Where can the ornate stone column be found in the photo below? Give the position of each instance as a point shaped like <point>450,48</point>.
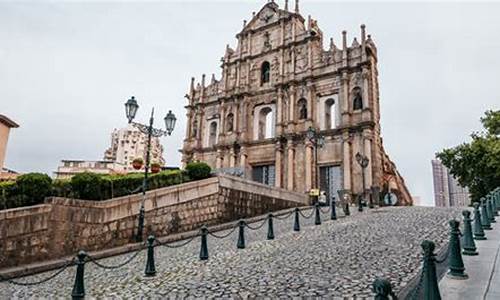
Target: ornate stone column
<point>279,113</point>
<point>219,159</point>
<point>243,160</point>
<point>367,145</point>
<point>290,164</point>
<point>291,109</point>
<point>346,161</point>
<point>345,99</point>
<point>308,165</point>
<point>232,158</point>
<point>278,165</point>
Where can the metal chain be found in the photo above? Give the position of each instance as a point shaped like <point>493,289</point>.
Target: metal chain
<point>176,245</point>
<point>225,235</point>
<point>325,211</point>
<point>94,261</point>
<point>257,227</point>
<point>284,216</point>
<point>71,262</point>
<point>307,217</point>
<point>443,259</point>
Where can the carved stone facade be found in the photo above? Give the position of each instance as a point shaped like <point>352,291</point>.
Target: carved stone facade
<point>277,83</point>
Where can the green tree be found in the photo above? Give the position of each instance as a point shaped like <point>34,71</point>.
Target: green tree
<point>477,164</point>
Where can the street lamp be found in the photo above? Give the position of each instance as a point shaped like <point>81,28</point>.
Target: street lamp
<point>363,162</point>
<point>131,108</point>
<point>318,141</point>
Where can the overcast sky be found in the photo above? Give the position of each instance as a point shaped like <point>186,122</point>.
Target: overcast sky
<point>66,68</point>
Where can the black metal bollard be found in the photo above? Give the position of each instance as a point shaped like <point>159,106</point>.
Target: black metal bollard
<point>317,216</point>
<point>270,229</point>
<point>382,289</point>
<point>430,287</point>
<point>333,212</point>
<point>140,227</point>
<point>204,245</point>
<point>494,208</point>
<point>485,220</point>
<point>241,235</point>
<point>296,222</point>
<point>150,261</point>
<point>469,246</point>
<point>478,228</point>
<point>79,286</point>
<point>346,209</point>
<point>360,203</point>
<point>455,261</point>
<point>489,203</point>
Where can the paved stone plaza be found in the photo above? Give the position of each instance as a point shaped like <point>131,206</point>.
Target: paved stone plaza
<point>336,259</point>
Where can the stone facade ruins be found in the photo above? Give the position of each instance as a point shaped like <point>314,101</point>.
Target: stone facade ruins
<point>276,84</point>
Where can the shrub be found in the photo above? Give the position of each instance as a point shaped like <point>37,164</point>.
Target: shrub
<point>34,187</point>
<point>62,188</point>
<point>86,186</point>
<point>198,170</point>
<point>8,197</point>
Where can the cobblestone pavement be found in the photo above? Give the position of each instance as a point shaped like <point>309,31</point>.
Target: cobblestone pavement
<point>336,259</point>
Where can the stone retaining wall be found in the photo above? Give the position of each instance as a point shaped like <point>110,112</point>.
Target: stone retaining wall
<point>62,226</point>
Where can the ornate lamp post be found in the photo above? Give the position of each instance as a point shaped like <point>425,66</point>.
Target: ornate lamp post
<point>131,108</point>
<point>318,141</point>
<point>363,161</point>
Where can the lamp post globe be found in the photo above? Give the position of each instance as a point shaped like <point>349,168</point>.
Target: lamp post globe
<point>310,133</point>
<point>131,108</point>
<point>170,122</point>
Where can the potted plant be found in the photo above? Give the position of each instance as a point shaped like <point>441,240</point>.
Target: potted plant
<point>155,167</point>
<point>137,163</point>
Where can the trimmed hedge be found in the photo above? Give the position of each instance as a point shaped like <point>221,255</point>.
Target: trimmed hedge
<point>32,188</point>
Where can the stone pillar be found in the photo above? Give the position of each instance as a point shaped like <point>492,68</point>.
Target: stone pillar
<point>279,113</point>
<point>345,99</point>
<point>291,109</point>
<point>366,89</point>
<point>189,117</point>
<point>243,160</point>
<point>346,161</point>
<point>232,158</point>
<point>222,120</point>
<point>308,165</point>
<point>278,165</point>
<point>290,165</point>
<point>368,153</point>
<point>219,160</point>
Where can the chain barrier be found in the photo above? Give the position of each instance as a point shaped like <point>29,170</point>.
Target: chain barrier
<point>62,269</point>
<point>256,227</point>
<point>283,216</point>
<point>225,235</point>
<point>307,217</point>
<point>445,257</point>
<point>128,260</point>
<point>158,243</point>
<point>325,211</point>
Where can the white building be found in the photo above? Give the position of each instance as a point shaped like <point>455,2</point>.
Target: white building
<point>129,143</point>
<point>68,168</point>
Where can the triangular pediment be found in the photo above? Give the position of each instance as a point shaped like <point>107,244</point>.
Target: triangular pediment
<point>268,14</point>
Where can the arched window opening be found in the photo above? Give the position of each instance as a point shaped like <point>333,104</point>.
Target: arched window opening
<point>302,105</point>
<point>212,137</point>
<point>265,72</point>
<point>266,123</point>
<point>357,102</point>
<point>330,113</point>
<point>230,123</point>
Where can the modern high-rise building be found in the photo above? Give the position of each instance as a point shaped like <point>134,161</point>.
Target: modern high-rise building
<point>129,143</point>
<point>447,191</point>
